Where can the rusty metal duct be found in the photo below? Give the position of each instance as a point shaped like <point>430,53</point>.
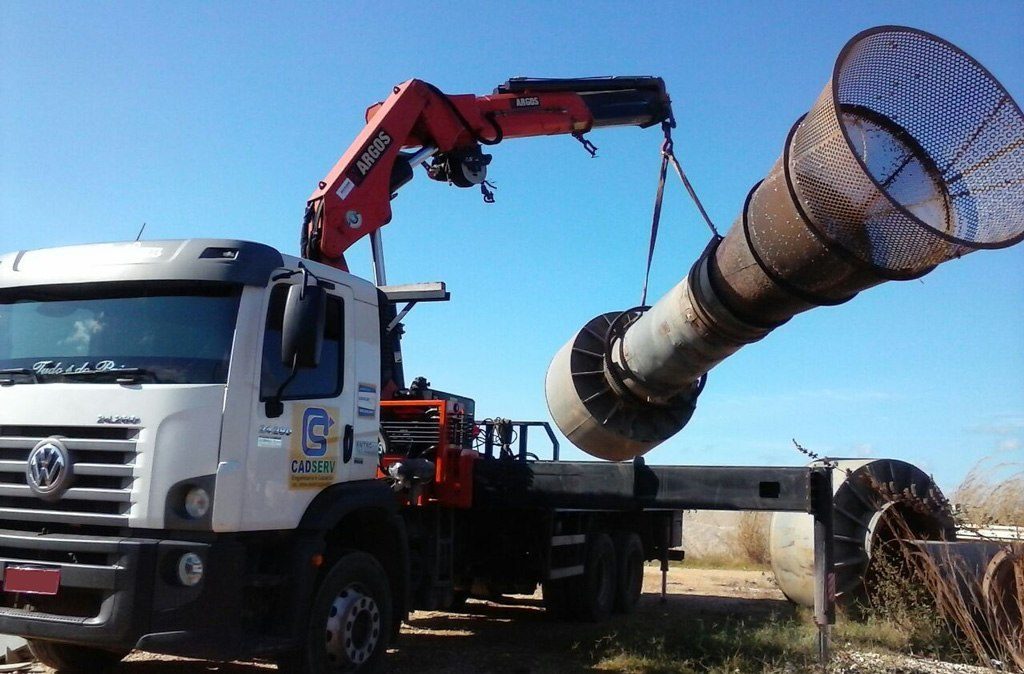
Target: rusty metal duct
<point>912,155</point>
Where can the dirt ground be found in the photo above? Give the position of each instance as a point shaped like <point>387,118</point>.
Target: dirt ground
<point>517,637</point>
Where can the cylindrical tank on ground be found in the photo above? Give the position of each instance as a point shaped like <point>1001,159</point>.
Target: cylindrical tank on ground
<point>1002,587</point>
<point>873,501</point>
<point>961,566</point>
<point>912,155</point>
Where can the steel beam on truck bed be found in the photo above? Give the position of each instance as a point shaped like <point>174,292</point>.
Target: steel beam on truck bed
<point>635,485</point>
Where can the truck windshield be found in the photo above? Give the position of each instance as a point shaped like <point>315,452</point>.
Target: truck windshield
<point>168,333</point>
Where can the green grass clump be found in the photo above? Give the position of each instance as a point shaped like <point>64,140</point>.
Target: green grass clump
<point>730,645</point>
<point>711,645</point>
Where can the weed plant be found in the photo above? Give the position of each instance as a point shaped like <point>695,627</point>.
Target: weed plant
<point>752,537</point>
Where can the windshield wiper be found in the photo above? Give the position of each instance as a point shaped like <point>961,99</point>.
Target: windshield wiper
<point>7,381</point>
<point>125,375</point>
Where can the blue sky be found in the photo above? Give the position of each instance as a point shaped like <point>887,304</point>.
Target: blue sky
<point>217,119</point>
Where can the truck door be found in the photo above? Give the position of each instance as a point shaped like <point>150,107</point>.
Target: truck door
<point>311,445</point>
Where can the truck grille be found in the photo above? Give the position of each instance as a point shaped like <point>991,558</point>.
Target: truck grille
<point>416,437</point>
<point>408,434</point>
<point>104,466</point>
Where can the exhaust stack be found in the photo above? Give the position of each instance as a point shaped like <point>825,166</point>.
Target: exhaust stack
<point>912,155</point>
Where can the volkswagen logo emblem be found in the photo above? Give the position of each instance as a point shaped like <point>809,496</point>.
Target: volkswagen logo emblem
<point>49,469</point>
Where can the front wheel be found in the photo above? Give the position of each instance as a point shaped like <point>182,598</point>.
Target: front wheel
<point>70,658</point>
<point>350,623</point>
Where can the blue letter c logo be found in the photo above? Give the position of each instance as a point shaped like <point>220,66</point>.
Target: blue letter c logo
<point>316,427</point>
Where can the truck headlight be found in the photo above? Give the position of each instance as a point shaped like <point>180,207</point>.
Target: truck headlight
<point>190,569</point>
<point>197,503</point>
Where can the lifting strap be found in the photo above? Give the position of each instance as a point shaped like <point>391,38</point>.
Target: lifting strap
<point>668,156</point>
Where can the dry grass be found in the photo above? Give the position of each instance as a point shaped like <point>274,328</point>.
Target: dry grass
<point>939,601</point>
<point>724,561</point>
<point>992,493</point>
<point>936,594</point>
<point>752,537</point>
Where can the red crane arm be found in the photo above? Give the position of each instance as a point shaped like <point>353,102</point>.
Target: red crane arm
<point>354,199</point>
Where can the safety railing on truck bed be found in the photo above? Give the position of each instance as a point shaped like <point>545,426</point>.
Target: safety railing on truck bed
<point>502,434</point>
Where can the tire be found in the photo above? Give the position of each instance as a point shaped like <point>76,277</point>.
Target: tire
<point>591,597</point>
<point>350,621</point>
<point>71,658</point>
<point>554,593</point>
<point>629,556</point>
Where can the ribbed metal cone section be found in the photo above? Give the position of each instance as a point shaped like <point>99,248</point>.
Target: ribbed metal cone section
<point>867,495</point>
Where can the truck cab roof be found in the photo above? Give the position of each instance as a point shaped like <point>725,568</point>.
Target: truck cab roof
<point>213,260</point>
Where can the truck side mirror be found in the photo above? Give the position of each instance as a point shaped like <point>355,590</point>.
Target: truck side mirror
<point>302,329</point>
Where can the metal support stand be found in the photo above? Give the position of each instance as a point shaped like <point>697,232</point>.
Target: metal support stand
<point>376,244</point>
<point>399,316</point>
<point>664,579</point>
<point>377,250</point>
<point>666,540</point>
<point>824,574</point>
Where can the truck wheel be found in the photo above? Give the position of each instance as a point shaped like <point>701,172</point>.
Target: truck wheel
<point>73,658</point>
<point>350,622</point>
<point>591,597</point>
<point>554,598</point>
<point>629,553</point>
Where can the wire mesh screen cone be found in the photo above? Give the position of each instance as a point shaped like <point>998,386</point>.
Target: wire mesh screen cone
<point>912,155</point>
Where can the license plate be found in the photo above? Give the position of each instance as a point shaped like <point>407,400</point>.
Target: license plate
<point>31,580</point>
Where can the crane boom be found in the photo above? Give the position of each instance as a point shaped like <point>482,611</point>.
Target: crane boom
<point>353,200</point>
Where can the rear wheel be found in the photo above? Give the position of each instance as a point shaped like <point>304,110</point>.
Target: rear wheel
<point>350,622</point>
<point>629,554</point>
<point>554,593</point>
<point>591,597</point>
<point>70,658</point>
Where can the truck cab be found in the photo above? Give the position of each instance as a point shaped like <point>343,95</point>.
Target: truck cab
<point>158,454</point>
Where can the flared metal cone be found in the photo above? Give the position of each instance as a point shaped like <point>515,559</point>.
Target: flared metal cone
<point>912,155</point>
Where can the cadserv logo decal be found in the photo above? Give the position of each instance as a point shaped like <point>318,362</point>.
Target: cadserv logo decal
<point>313,455</point>
<point>316,426</point>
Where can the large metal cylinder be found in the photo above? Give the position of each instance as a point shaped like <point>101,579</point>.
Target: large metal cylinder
<point>912,155</point>
<point>868,498</point>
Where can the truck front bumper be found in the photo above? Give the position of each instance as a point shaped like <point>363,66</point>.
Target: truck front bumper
<point>124,593</point>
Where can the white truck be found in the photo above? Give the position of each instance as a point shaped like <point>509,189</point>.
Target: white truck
<point>168,484</point>
<point>208,448</point>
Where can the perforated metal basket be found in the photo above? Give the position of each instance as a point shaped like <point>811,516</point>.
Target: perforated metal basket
<point>913,154</point>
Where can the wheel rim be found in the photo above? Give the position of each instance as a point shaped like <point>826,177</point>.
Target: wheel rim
<point>353,628</point>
